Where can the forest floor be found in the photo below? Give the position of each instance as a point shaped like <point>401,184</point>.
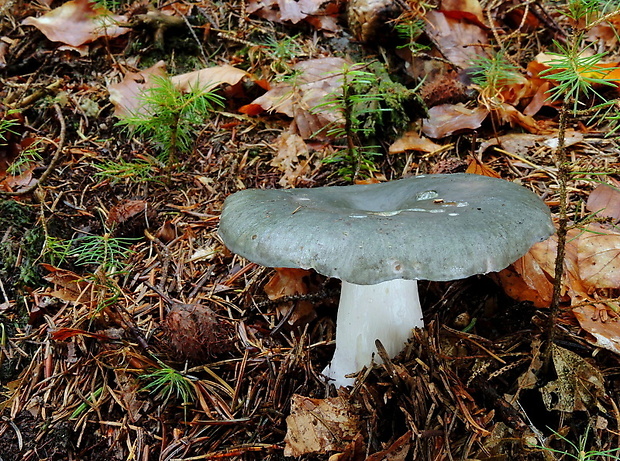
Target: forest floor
<point>130,332</point>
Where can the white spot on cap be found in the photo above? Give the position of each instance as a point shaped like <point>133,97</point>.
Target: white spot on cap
<point>397,267</point>
<point>386,213</point>
<point>426,195</point>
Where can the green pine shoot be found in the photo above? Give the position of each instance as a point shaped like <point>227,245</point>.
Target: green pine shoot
<point>166,383</point>
<point>410,30</point>
<point>371,108</point>
<point>576,73</point>
<point>169,118</point>
<point>25,160</point>
<point>137,171</point>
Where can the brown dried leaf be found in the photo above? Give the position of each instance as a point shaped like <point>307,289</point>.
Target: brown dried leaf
<point>209,78</point>
<point>446,119</point>
<point>475,166</point>
<point>70,286</point>
<point>460,41</point>
<point>540,98</point>
<point>397,451</point>
<point>578,386</point>
<point>316,79</point>
<point>22,180</point>
<point>605,201</point>
<point>77,22</point>
<point>522,143</point>
<point>319,425</point>
<point>604,329</point>
<point>545,252</point>
<point>411,140</point>
<point>606,32</point>
<point>598,251</point>
<point>472,7</point>
<point>128,394</point>
<point>125,94</point>
<point>354,451</point>
<point>591,262</point>
<point>536,270</point>
<point>295,11</point>
<point>125,210</point>
<point>292,158</point>
<point>515,286</point>
<point>512,116</point>
<point>286,282</point>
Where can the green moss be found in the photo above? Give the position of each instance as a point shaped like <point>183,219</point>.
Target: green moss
<point>20,247</point>
<point>399,104</point>
<point>21,241</point>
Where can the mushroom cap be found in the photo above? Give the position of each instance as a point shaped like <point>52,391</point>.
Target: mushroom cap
<point>433,227</point>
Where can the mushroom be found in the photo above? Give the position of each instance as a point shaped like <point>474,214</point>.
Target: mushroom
<point>379,239</point>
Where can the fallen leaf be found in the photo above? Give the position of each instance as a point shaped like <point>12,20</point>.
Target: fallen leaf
<point>62,334</point>
<point>319,425</point>
<point>513,116</point>
<point>591,262</point>
<point>607,73</point>
<point>294,11</point>
<point>354,451</point>
<point>540,98</point>
<point>475,166</point>
<point>598,250</point>
<point>15,183</point>
<point>286,282</point>
<point>300,98</point>
<point>460,41</point>
<point>251,109</point>
<point>512,282</point>
<point>77,22</point>
<point>411,140</point>
<point>579,384</point>
<point>605,201</point>
<point>606,333</point>
<point>397,451</point>
<point>606,32</point>
<point>292,158</point>
<point>69,286</point>
<point>208,78</point>
<point>472,7</point>
<point>536,270</point>
<point>128,394</point>
<point>125,210</point>
<point>125,95</point>
<point>445,119</point>
<point>289,282</point>
<point>523,143</point>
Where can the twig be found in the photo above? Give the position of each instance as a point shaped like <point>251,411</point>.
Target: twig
<point>563,177</point>
<point>55,159</point>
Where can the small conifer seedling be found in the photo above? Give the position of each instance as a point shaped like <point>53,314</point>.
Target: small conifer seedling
<point>169,117</point>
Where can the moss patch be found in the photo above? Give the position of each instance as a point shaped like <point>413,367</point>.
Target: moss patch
<point>20,246</point>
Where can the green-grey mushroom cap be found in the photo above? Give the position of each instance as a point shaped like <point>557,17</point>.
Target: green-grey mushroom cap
<point>433,227</point>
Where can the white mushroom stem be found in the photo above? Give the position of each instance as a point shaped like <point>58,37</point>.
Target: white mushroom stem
<point>387,311</point>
